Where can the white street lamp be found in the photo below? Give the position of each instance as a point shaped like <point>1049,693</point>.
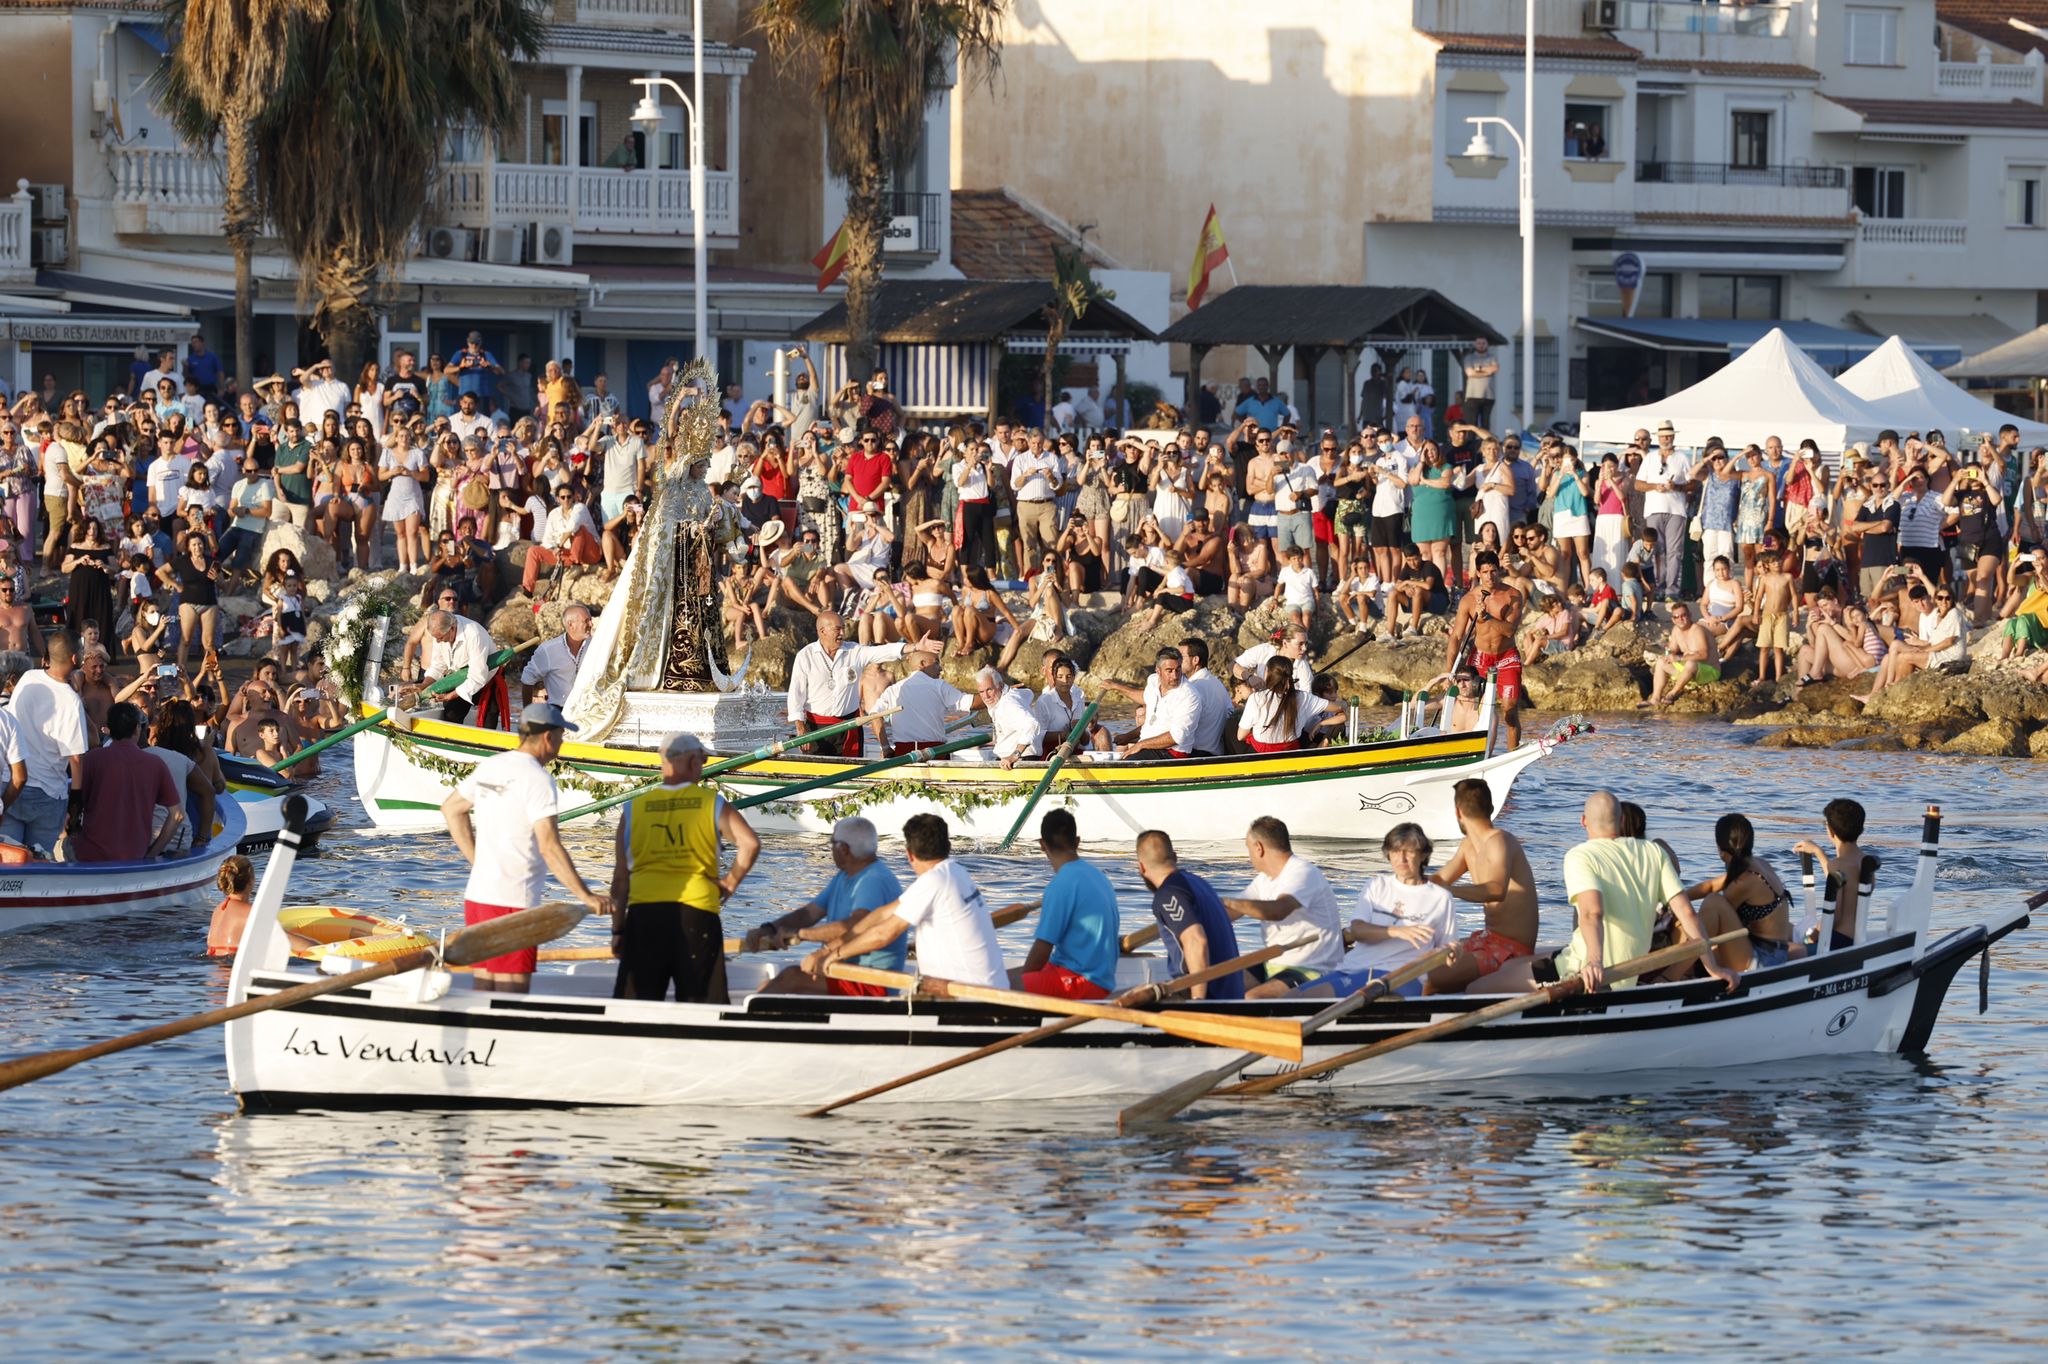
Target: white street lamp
<point>647,118</point>
<point>1479,147</point>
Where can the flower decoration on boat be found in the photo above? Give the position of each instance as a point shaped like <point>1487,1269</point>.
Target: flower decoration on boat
<point>347,648</point>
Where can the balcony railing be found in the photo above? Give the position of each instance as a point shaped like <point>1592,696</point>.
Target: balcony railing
<point>1696,16</point>
<point>165,177</point>
<point>656,203</point>
<point>914,223</point>
<point>1983,80</point>
<point>1718,173</point>
<point>634,13</point>
<point>16,221</point>
<point>1911,232</point>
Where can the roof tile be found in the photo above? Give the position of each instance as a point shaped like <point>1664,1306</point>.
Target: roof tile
<point>1960,113</point>
<point>997,235</point>
<point>1545,47</point>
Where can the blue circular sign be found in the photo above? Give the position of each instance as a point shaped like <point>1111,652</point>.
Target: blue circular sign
<point>1628,270</point>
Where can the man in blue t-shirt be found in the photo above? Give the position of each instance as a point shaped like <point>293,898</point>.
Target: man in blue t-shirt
<point>1262,403</point>
<point>1075,954</point>
<point>1192,921</point>
<point>860,885</point>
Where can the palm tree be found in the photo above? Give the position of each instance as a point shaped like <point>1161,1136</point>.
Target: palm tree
<point>1074,288</point>
<point>878,66</point>
<point>347,152</point>
<point>227,58</point>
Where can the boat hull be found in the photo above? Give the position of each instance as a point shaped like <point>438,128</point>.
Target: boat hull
<point>1356,792</point>
<point>382,1047</point>
<point>46,894</point>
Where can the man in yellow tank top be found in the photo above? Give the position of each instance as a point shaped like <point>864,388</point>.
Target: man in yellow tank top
<point>665,879</point>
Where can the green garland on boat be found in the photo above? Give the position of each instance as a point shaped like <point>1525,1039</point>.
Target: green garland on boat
<point>449,770</point>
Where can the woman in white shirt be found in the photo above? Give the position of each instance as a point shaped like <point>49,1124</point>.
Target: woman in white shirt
<point>369,396</point>
<point>1402,915</point>
<point>1944,637</point>
<point>1274,719</point>
<point>1173,494</point>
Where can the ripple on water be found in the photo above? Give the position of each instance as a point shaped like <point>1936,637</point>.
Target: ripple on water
<point>1869,1209</point>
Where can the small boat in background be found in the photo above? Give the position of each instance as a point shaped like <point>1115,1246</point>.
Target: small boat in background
<point>261,792</point>
<point>37,894</point>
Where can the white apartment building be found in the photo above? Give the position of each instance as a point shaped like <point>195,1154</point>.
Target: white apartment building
<point>1806,162</point>
<point>568,235</point>
<point>1813,162</point>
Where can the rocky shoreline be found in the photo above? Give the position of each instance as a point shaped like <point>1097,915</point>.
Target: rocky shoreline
<point>1985,709</point>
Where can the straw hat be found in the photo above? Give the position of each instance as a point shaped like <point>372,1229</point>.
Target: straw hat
<point>769,534</point>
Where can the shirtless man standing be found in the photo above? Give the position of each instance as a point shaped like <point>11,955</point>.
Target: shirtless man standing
<point>18,629</point>
<point>1500,880</point>
<point>1488,619</point>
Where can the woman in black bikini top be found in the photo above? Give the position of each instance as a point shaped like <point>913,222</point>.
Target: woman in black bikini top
<point>1747,895</point>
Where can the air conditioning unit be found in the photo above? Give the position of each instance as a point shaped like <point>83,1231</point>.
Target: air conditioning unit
<point>451,243</point>
<point>553,244</point>
<point>505,245</point>
<point>1603,16</point>
<point>48,201</point>
<point>49,246</point>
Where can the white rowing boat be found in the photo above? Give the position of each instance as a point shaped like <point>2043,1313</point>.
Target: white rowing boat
<point>38,894</point>
<point>427,1040</point>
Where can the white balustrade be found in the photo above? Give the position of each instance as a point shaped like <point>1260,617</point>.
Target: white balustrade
<point>1988,80</point>
<point>165,177</point>
<point>667,13</point>
<point>1911,232</point>
<point>15,221</point>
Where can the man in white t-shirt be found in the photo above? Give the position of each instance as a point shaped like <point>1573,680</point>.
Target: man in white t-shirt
<point>52,734</point>
<point>1036,477</point>
<point>502,817</point>
<point>1294,904</point>
<point>322,393</point>
<point>956,937</point>
<point>468,420</point>
<point>1172,714</point>
<point>1402,915</point>
<point>553,665</point>
<point>1212,698</point>
<point>166,474</point>
<point>928,704</point>
<point>1665,479</point>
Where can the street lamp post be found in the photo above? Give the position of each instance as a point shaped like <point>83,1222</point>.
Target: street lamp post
<point>647,117</point>
<point>1479,147</point>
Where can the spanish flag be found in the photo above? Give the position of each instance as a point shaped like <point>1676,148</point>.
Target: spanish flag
<point>831,259</point>
<point>1210,253</point>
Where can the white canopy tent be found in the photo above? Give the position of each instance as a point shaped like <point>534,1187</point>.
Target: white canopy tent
<point>1913,396</point>
<point>1772,389</point>
<point>2023,357</point>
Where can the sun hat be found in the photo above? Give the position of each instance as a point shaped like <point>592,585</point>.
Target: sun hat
<point>770,533</point>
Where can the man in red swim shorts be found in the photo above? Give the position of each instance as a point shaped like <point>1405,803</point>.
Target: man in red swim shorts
<point>1487,620</point>
<point>1497,877</point>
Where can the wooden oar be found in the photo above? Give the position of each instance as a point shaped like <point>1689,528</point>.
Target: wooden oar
<point>1272,1037</point>
<point>1167,1102</point>
<point>511,933</point>
<point>448,683</point>
<point>1138,994</point>
<point>1002,918</point>
<point>916,755</point>
<point>1549,994</point>
<point>1059,759</point>
<point>1138,937</point>
<point>761,754</point>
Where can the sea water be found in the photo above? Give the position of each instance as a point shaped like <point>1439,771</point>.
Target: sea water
<point>1882,1208</point>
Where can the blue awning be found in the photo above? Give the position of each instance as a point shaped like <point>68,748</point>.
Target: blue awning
<point>153,34</point>
<point>1832,347</point>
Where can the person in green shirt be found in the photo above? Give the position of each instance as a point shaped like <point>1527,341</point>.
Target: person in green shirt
<point>294,470</point>
<point>1617,885</point>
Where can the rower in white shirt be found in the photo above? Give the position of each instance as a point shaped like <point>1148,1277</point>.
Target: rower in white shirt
<point>824,681</point>
<point>927,702</point>
<point>553,664</point>
<point>1018,736</point>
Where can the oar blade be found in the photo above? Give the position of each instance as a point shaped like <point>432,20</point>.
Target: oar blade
<point>1272,1037</point>
<point>513,933</point>
<point>1158,1108</point>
